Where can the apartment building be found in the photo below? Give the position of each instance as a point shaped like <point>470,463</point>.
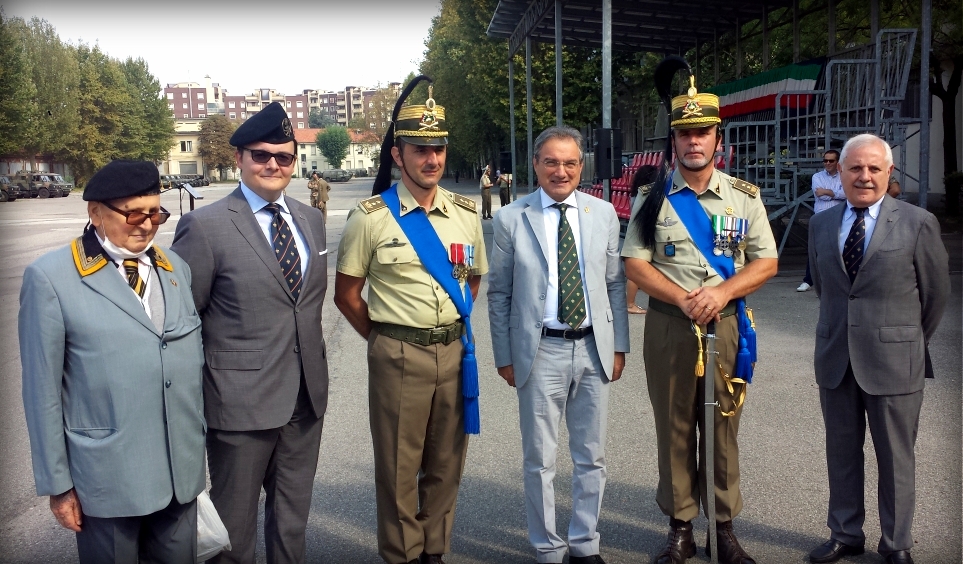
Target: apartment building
<point>192,100</point>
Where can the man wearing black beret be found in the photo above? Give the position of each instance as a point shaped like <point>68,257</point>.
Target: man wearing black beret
<point>110,345</point>
<point>260,273</point>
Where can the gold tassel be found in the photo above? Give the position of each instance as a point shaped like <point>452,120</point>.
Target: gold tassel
<point>700,367</point>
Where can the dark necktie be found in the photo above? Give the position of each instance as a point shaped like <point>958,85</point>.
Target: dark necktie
<point>285,249</point>
<point>133,277</point>
<point>571,298</point>
<point>853,247</point>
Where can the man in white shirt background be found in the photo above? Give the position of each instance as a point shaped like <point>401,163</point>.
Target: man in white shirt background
<point>828,192</point>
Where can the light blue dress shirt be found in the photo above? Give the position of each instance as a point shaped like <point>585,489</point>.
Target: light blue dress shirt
<point>264,218</point>
<point>869,221</point>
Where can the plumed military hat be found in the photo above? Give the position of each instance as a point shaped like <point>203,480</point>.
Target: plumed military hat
<point>693,110</point>
<point>422,124</point>
<point>270,125</point>
<point>122,179</point>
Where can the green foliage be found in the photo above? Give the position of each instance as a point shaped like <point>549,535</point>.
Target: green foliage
<point>17,92</point>
<point>333,143</point>
<point>149,120</point>
<point>318,120</point>
<point>214,144</point>
<point>358,122</point>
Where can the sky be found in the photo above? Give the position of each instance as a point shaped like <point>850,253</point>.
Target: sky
<point>245,45</point>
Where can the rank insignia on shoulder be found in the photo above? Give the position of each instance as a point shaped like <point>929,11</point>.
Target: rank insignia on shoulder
<point>746,187</point>
<point>373,203</point>
<point>464,202</point>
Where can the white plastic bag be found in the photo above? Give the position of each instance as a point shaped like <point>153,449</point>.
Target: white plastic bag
<point>212,536</point>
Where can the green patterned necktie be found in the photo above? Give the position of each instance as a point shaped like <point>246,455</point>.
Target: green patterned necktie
<point>571,298</point>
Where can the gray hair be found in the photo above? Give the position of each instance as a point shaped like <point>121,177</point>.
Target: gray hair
<point>863,140</point>
<point>560,132</point>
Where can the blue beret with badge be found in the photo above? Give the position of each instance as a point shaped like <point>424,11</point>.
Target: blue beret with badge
<point>270,125</point>
<point>123,179</point>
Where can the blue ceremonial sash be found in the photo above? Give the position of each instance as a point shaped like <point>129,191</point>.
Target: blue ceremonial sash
<point>699,225</point>
<point>433,255</point>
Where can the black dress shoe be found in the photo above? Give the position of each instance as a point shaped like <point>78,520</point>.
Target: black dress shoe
<point>899,557</point>
<point>730,552</point>
<point>680,545</point>
<point>832,550</point>
<point>431,558</point>
<point>594,559</point>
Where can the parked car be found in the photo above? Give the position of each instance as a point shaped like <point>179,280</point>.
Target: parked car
<point>42,184</point>
<point>336,175</point>
<point>8,190</point>
<point>65,187</point>
<point>24,181</point>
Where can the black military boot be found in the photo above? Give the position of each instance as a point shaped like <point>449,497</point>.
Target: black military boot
<point>729,550</point>
<point>680,545</point>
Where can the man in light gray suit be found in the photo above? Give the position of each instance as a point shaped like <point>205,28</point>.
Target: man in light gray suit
<point>260,273</point>
<point>110,344</point>
<point>882,276</point>
<point>557,338</point>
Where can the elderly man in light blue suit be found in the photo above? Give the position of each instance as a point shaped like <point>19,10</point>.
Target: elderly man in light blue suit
<point>110,345</point>
<point>557,339</point>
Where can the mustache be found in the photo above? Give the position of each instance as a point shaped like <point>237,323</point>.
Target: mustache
<point>859,184</point>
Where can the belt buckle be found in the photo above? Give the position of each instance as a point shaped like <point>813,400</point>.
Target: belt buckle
<point>570,334</point>
<point>437,335</point>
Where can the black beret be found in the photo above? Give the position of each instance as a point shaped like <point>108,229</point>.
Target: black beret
<point>122,179</point>
<point>270,125</point>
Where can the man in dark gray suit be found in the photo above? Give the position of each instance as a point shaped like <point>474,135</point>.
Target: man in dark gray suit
<point>110,344</point>
<point>260,274</point>
<point>882,276</point>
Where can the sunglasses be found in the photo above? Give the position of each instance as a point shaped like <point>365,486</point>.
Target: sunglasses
<point>137,218</point>
<point>262,157</point>
<point>828,161</point>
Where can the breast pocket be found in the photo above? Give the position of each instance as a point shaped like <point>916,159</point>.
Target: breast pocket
<point>669,241</point>
<point>395,255</point>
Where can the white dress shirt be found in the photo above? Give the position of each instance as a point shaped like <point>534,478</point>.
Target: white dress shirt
<point>265,217</point>
<point>869,222</point>
<point>144,268</point>
<point>823,179</point>
<point>551,217</point>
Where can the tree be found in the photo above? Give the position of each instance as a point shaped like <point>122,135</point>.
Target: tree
<point>17,92</point>
<point>149,126</point>
<point>358,122</point>
<point>319,120</point>
<point>214,144</point>
<point>382,103</point>
<point>333,143</point>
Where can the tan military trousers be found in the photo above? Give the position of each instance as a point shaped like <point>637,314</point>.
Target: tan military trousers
<point>670,350</point>
<point>416,413</point>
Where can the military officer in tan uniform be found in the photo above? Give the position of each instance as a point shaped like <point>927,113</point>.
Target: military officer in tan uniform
<point>414,339</point>
<point>319,188</point>
<point>685,291</point>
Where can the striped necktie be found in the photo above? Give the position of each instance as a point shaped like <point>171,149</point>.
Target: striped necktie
<point>571,298</point>
<point>853,247</point>
<point>133,277</point>
<point>286,250</point>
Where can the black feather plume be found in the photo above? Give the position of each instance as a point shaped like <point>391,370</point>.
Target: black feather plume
<point>383,180</point>
<point>649,213</point>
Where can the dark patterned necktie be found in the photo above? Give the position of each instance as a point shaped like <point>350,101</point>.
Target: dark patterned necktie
<point>853,247</point>
<point>285,249</point>
<point>133,277</point>
<point>571,298</point>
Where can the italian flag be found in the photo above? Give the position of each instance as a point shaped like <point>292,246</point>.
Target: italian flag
<point>757,93</point>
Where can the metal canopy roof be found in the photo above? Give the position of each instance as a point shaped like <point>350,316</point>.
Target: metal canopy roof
<point>637,25</point>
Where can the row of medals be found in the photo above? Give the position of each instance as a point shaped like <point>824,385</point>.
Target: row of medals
<point>730,234</point>
<point>462,258</point>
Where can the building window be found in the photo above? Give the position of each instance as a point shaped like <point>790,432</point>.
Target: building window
<point>289,115</point>
<point>188,167</point>
<point>300,104</point>
<point>200,106</point>
<point>233,115</point>
<point>184,105</point>
<point>300,125</point>
<point>170,95</point>
<point>288,103</point>
<point>170,106</point>
<point>314,165</point>
<point>304,158</point>
<point>200,95</point>
<point>202,116</point>
<point>314,150</point>
<point>230,104</point>
<point>186,116</point>
<point>183,94</point>
<point>300,115</point>
<point>243,115</point>
<point>186,146</point>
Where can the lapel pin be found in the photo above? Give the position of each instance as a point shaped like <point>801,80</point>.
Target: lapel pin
<point>174,282</point>
<point>586,209</point>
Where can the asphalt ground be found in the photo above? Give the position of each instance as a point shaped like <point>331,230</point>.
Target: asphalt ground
<point>782,439</point>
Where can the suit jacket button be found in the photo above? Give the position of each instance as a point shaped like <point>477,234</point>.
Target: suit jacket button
<point>167,384</point>
<point>852,297</point>
<point>163,345</point>
<point>538,324</point>
<point>541,296</point>
<point>297,349</point>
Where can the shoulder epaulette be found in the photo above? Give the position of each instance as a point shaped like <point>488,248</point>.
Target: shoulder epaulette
<point>464,202</point>
<point>373,203</point>
<point>644,190</point>
<point>86,265</point>
<point>160,259</point>
<point>743,186</point>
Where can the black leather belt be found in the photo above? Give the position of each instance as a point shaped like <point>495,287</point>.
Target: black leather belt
<point>445,334</point>
<point>674,311</point>
<point>570,334</point>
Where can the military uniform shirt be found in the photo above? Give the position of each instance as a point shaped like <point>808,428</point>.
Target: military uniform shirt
<point>400,290</point>
<point>688,268</point>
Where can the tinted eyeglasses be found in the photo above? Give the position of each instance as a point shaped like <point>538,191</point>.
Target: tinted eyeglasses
<point>137,218</point>
<point>829,161</point>
<point>262,157</point>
